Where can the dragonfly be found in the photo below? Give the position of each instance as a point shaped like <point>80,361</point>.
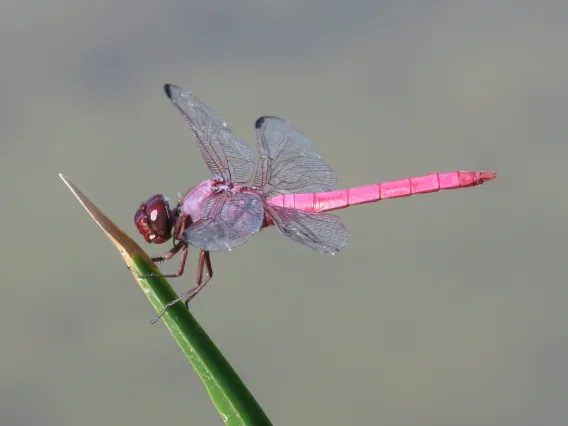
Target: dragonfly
<point>291,188</point>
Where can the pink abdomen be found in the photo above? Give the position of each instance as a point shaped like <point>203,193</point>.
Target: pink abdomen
<point>334,200</point>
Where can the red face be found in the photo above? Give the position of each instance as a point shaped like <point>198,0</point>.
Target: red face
<point>155,220</point>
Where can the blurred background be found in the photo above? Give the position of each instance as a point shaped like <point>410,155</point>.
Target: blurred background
<point>444,309</point>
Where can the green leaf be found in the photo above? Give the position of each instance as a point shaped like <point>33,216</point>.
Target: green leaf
<point>235,403</point>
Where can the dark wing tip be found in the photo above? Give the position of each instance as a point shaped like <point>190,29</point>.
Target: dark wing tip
<point>168,89</point>
<point>260,122</point>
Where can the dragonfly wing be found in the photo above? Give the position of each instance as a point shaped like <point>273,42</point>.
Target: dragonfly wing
<point>227,221</point>
<point>320,231</point>
<point>225,154</point>
<point>289,162</point>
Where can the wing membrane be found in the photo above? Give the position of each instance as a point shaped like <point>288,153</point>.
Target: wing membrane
<point>227,221</point>
<point>289,162</point>
<point>225,154</point>
<point>320,231</point>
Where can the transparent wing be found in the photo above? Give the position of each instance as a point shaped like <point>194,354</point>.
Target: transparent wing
<point>289,162</point>
<point>227,221</point>
<point>225,154</point>
<point>321,231</point>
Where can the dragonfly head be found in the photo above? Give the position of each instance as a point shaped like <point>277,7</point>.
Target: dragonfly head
<point>155,219</point>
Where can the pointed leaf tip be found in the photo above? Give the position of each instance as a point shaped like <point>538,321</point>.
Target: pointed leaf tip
<point>127,247</point>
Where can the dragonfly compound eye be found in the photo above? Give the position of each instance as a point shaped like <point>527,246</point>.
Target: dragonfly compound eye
<point>154,219</point>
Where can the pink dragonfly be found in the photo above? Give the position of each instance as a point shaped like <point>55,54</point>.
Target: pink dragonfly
<point>291,188</point>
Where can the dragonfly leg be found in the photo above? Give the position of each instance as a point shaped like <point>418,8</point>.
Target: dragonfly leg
<point>184,250</point>
<point>169,254</point>
<point>203,263</point>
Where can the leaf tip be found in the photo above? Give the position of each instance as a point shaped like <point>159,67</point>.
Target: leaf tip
<point>68,183</point>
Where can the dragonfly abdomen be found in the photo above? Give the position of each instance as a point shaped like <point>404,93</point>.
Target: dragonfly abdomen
<point>340,199</point>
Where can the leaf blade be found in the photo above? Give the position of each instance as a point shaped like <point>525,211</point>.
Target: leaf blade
<point>233,400</point>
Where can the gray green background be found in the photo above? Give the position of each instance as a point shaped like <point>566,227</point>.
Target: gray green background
<point>446,309</point>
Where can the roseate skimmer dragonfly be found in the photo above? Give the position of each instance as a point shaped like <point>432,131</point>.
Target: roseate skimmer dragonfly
<point>292,188</point>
